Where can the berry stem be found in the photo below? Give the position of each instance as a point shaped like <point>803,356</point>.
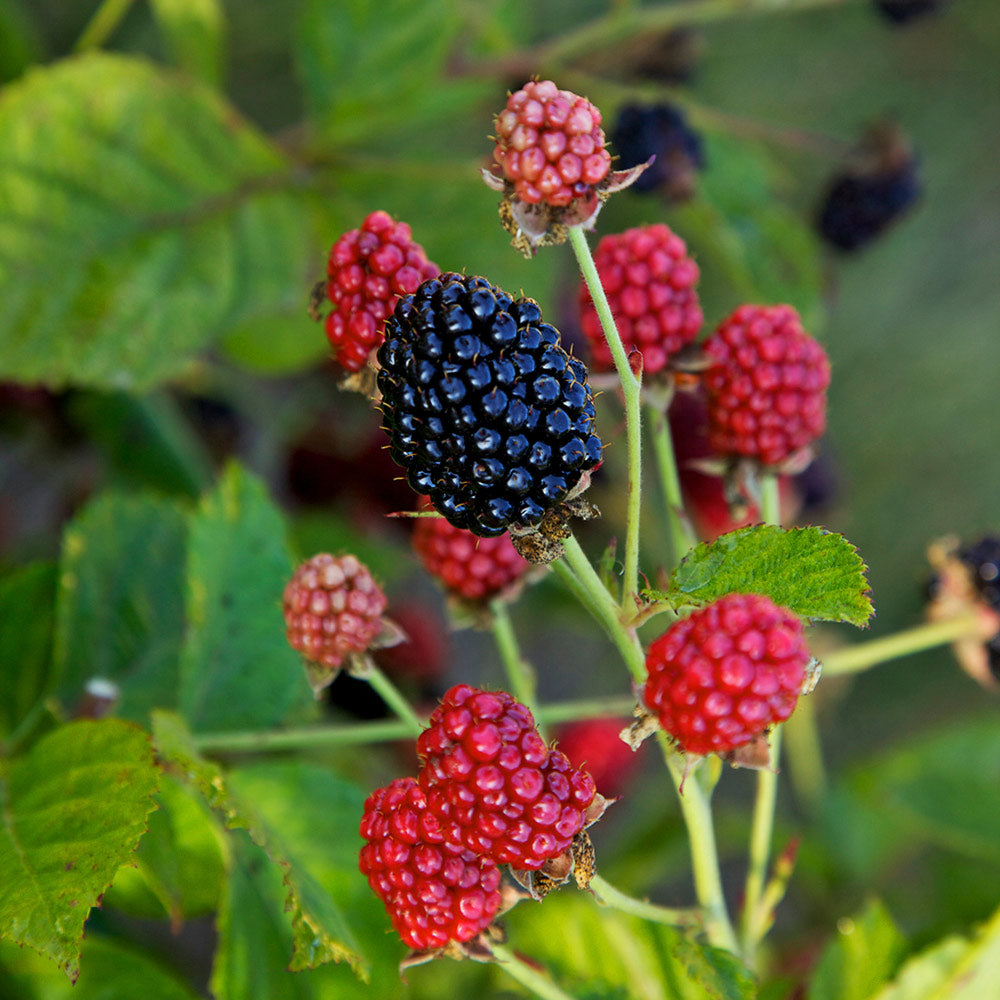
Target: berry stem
<point>862,655</point>
<point>753,926</point>
<point>391,695</point>
<point>679,530</point>
<point>519,672</point>
<point>804,759</point>
<point>633,417</point>
<point>526,974</point>
<point>608,895</point>
<point>385,731</point>
<point>103,24</point>
<point>576,570</point>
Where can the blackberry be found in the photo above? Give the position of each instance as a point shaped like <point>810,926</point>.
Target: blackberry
<point>983,561</point>
<point>490,417</point>
<point>904,11</point>
<point>872,192</point>
<point>659,130</point>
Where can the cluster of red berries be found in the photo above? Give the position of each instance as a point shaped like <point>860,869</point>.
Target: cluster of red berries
<point>490,792</point>
<point>333,609</point>
<point>368,269</point>
<point>649,280</point>
<point>472,569</point>
<point>550,145</point>
<point>723,675</point>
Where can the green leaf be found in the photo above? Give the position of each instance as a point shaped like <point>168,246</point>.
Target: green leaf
<point>147,440</point>
<point>142,223</point>
<point>26,597</point>
<point>862,956</point>
<point>193,30</point>
<point>816,573</point>
<point>397,47</point>
<point>320,931</point>
<point>120,609</point>
<point>951,969</point>
<point>71,813</point>
<point>237,669</point>
<point>180,865</point>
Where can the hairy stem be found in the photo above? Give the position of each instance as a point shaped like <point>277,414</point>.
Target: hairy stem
<point>633,416</point>
<point>607,895</point>
<point>391,695</point>
<point>519,673</point>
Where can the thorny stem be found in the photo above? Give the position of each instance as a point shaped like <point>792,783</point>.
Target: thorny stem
<point>360,733</point>
<point>519,673</point>
<point>753,923</point>
<point>633,416</point>
<point>526,974</point>
<point>680,533</point>
<point>607,895</point>
<point>103,24</point>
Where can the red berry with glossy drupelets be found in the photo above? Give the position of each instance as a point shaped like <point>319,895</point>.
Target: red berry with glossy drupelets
<point>550,145</point>
<point>495,785</point>
<point>333,609</point>
<point>726,673</point>
<point>368,269</point>
<point>766,385</point>
<point>470,568</point>
<point>433,893</point>
<point>650,281</point>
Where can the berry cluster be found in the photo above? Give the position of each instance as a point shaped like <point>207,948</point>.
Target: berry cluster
<point>367,271</point>
<point>487,413</point>
<point>766,385</point>
<point>549,144</point>
<point>721,676</point>
<point>333,609</point>
<point>433,892</point>
<point>495,785</point>
<point>650,281</point>
<point>471,568</point>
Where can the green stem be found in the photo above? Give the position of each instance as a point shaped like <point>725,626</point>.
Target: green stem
<point>804,757</point>
<point>527,975</point>
<point>762,823</point>
<point>680,532</point>
<point>595,597</point>
<point>696,809</point>
<point>102,25</point>
<point>607,895</point>
<point>519,673</point>
<point>361,733</point>
<point>862,655</point>
<point>390,694</point>
<point>633,417</point>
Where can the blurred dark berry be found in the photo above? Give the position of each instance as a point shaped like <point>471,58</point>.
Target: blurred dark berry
<point>877,187</point>
<point>904,11</point>
<point>983,560</point>
<point>659,130</point>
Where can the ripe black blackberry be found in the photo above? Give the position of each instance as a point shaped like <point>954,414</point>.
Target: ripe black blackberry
<point>982,557</point>
<point>659,130</point>
<point>487,413</point>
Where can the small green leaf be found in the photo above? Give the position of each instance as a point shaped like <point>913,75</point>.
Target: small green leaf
<point>861,958</point>
<point>193,30</point>
<point>26,597</point>
<point>71,813</point>
<point>120,607</point>
<point>816,573</point>
<point>951,969</point>
<point>237,669</point>
<point>144,221</point>
<point>320,930</point>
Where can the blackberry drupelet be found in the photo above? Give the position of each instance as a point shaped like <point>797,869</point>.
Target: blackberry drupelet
<point>487,413</point>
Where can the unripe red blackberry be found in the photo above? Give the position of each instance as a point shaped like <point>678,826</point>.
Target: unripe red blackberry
<point>596,744</point>
<point>487,413</point>
<point>766,385</point>
<point>471,568</point>
<point>493,783</point>
<point>723,675</point>
<point>550,145</point>
<point>368,269</point>
<point>332,608</point>
<point>650,281</point>
<point>433,893</point>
